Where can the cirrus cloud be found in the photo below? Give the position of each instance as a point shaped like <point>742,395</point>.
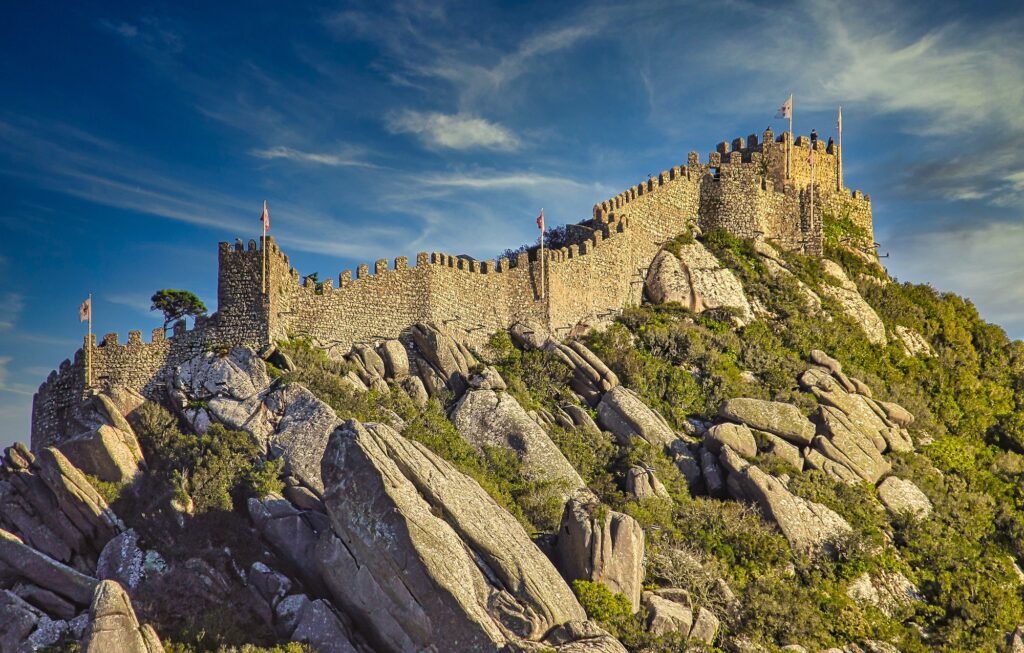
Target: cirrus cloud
<point>319,158</point>
<point>453,131</point>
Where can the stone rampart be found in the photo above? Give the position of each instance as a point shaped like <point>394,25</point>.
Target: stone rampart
<point>743,188</point>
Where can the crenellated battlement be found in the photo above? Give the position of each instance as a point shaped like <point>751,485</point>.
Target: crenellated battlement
<point>755,187</point>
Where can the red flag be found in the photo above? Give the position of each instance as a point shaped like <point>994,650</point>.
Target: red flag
<point>540,220</point>
<point>265,217</point>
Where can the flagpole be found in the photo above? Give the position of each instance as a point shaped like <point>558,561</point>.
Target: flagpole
<point>839,159</point>
<point>542,262</point>
<point>263,253</point>
<point>88,351</point>
<point>789,151</point>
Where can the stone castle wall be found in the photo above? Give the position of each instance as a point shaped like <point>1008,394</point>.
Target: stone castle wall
<point>742,188</point>
<point>241,319</point>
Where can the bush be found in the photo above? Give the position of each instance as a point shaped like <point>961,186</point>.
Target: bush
<point>290,647</point>
<point>110,492</point>
<point>537,379</point>
<point>213,471</point>
<point>612,610</point>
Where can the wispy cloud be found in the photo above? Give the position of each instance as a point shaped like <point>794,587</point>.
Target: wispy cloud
<point>41,339</point>
<point>457,132</point>
<point>5,382</point>
<point>318,158</point>
<point>5,361</point>
<point>75,163</point>
<point>126,30</point>
<point>957,77</point>
<point>991,171</point>
<point>11,306</point>
<point>499,181</point>
<point>988,265</point>
<point>137,301</point>
<point>423,45</point>
<point>878,58</point>
<point>148,32</point>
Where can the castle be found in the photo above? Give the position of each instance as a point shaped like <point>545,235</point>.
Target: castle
<point>753,187</point>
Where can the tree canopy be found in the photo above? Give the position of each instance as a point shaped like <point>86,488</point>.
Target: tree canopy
<point>176,304</point>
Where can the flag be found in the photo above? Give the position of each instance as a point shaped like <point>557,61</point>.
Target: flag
<point>839,121</point>
<point>85,310</point>
<point>786,110</point>
<point>265,217</point>
<point>540,220</point>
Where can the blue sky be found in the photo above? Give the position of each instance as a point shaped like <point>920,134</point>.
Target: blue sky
<point>135,136</point>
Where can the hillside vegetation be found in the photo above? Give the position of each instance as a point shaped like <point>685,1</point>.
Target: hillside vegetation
<point>674,492</point>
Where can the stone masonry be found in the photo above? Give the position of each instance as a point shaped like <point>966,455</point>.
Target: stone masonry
<point>743,188</point>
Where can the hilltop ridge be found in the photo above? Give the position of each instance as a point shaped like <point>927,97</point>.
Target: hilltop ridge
<point>762,447</point>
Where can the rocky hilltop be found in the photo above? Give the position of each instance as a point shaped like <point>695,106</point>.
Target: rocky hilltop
<point>773,451</point>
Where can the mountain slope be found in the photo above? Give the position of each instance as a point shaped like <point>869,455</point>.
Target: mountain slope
<point>776,450</point>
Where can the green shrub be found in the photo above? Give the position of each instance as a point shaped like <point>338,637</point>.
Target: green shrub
<point>839,229</point>
<point>675,246</point>
<point>589,452</point>
<point>203,645</point>
<point>610,609</point>
<point>537,379</point>
<point>110,492</point>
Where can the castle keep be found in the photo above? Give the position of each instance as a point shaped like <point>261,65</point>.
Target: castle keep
<point>743,187</point>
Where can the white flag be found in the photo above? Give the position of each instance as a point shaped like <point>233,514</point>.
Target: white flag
<point>85,310</point>
<point>265,217</point>
<point>839,120</point>
<point>786,110</point>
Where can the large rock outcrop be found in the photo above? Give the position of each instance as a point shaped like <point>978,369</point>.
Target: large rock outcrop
<point>665,616</point>
<point>591,378</point>
<point>302,425</point>
<point>903,497</point>
<point>237,392</point>
<point>319,625</point>
<point>889,591</point>
<point>419,554</point>
<point>581,637</point>
<point>807,525</point>
<point>239,375</point>
<point>19,560</point>
<point>101,442</point>
<point>293,534</point>
<point>855,429</point>
<point>783,420</point>
<point>844,292</point>
<point>737,436</point>
<point>914,344</point>
<point>696,280</point>
<point>641,483</point>
<point>441,361</point>
<point>488,417</point>
<point>49,504</point>
<point>122,560</point>
<point>622,412</point>
<point>600,545</point>
<point>17,621</point>
<point>113,625</point>
<point>108,453</point>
